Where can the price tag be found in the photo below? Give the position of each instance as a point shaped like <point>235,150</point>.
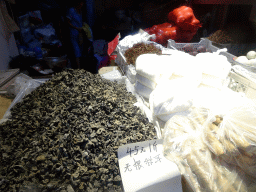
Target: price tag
<point>144,168</point>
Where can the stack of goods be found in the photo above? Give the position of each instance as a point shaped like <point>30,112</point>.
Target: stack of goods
<point>149,70</point>
<point>187,81</point>
<point>176,83</point>
<point>215,69</point>
<point>174,93</point>
<point>64,136</point>
<point>182,26</point>
<point>215,149</point>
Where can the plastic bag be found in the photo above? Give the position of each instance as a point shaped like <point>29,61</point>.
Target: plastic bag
<point>143,90</point>
<point>27,88</point>
<point>215,69</point>
<point>232,135</point>
<point>184,18</point>
<point>144,81</point>
<point>130,40</point>
<point>172,96</point>
<point>219,100</point>
<point>20,82</point>
<point>152,66</point>
<point>131,73</point>
<point>185,65</point>
<point>114,75</point>
<point>184,145</point>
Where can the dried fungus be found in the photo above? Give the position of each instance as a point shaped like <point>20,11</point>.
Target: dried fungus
<point>64,136</point>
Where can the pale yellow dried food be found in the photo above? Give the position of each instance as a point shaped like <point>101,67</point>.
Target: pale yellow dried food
<point>224,179</point>
<point>200,116</point>
<point>213,127</point>
<point>218,120</point>
<point>238,140</point>
<point>200,169</point>
<point>186,171</point>
<point>248,130</point>
<point>214,144</point>
<point>229,147</point>
<point>245,161</point>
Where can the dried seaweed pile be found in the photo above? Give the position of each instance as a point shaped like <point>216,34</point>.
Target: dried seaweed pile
<point>64,136</point>
<point>138,49</point>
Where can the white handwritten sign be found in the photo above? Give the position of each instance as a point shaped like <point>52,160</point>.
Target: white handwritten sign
<point>144,168</point>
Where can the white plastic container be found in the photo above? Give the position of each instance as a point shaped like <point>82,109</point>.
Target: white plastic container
<point>243,85</point>
<point>203,42</point>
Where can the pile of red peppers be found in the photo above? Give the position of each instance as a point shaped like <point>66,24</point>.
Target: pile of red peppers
<point>182,26</point>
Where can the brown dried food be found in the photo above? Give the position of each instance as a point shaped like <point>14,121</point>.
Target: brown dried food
<point>234,33</point>
<point>64,135</point>
<point>138,49</point>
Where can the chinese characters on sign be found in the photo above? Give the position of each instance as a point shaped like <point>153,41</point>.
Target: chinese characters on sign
<point>148,161</point>
<point>143,167</point>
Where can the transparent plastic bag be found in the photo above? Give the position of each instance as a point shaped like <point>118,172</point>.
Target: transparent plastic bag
<point>114,75</point>
<point>146,82</point>
<point>142,90</point>
<point>232,135</point>
<point>130,40</point>
<point>202,155</point>
<point>201,171</point>
<point>170,97</point>
<point>26,88</point>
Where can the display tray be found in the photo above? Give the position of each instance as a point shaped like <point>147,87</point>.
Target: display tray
<point>241,84</point>
<point>250,68</point>
<point>236,49</point>
<point>128,69</point>
<point>203,42</point>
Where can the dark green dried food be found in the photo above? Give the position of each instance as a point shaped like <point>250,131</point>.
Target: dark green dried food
<point>64,136</point>
<point>138,49</point>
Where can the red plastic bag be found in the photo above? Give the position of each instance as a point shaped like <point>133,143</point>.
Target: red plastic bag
<point>163,32</point>
<point>164,25</point>
<point>112,45</point>
<point>171,33</point>
<point>157,28</point>
<point>184,36</point>
<point>184,18</point>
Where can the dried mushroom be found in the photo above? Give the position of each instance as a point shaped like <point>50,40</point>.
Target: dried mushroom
<point>64,136</point>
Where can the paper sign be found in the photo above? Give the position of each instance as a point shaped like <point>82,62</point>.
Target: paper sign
<point>144,168</point>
